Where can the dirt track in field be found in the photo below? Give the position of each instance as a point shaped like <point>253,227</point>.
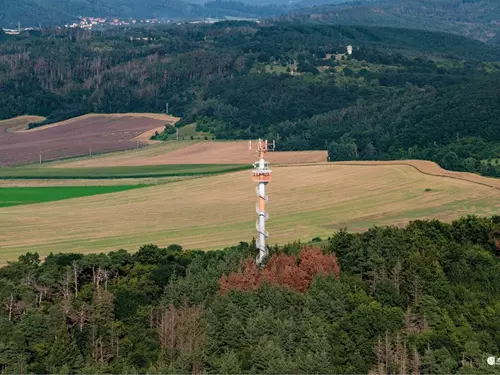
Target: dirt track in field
<point>207,152</point>
<point>216,211</point>
<point>74,137</point>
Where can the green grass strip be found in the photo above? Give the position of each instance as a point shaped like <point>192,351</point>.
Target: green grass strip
<point>14,196</point>
<point>148,171</point>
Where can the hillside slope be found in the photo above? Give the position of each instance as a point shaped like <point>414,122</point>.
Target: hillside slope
<point>401,94</point>
<point>476,19</point>
<point>58,12</point>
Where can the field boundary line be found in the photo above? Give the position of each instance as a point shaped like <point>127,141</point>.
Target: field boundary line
<point>135,175</point>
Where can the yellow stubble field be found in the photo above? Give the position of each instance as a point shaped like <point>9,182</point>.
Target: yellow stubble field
<point>217,211</point>
<point>193,152</point>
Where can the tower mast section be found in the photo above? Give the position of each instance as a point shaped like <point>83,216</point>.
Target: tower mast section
<point>262,175</point>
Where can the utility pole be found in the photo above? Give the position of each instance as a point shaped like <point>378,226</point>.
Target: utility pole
<point>90,151</point>
<point>166,108</point>
<point>40,154</point>
<point>177,133</point>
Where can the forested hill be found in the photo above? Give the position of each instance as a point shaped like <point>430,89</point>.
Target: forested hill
<point>420,300</point>
<point>401,94</point>
<point>60,12</point>
<point>473,18</point>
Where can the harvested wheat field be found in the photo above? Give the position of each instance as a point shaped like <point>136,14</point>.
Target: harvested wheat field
<point>431,168</point>
<point>137,157</point>
<point>101,133</point>
<point>216,211</point>
<point>19,123</point>
<point>209,152</point>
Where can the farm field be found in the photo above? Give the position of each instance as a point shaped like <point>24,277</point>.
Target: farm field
<point>74,137</point>
<point>93,182</point>
<point>147,171</point>
<point>217,211</point>
<point>120,158</point>
<point>13,196</point>
<point>193,152</point>
<point>430,168</point>
<point>19,123</point>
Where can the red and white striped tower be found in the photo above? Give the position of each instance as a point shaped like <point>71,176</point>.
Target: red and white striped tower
<point>262,175</point>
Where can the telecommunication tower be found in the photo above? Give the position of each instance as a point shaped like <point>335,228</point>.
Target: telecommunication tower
<point>262,175</point>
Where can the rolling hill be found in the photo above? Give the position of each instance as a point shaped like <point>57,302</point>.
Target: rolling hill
<point>215,211</point>
<point>402,93</point>
<point>52,12</point>
<point>476,19</point>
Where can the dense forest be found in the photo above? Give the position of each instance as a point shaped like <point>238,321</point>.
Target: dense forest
<point>401,94</point>
<point>421,300</point>
<point>476,19</point>
<point>473,18</point>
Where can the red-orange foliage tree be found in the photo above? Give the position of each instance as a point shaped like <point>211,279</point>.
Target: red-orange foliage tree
<point>284,270</point>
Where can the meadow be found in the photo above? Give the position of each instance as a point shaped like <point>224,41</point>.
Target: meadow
<point>14,196</point>
<point>216,211</point>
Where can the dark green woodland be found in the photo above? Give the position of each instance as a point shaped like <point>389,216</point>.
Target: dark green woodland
<point>401,94</point>
<point>421,300</point>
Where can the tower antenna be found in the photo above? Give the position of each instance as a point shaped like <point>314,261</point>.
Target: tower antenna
<point>262,175</point>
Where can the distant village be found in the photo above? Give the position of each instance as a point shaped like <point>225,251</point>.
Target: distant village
<point>90,23</point>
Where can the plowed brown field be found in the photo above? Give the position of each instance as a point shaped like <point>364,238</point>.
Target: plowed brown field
<point>208,152</point>
<point>101,133</point>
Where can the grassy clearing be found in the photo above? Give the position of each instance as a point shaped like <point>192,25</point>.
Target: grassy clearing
<point>188,131</point>
<point>147,171</point>
<point>217,211</point>
<point>14,196</point>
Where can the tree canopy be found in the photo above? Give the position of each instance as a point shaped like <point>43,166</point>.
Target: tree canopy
<point>420,299</point>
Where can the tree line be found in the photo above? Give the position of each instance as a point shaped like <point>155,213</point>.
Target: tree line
<point>421,299</point>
